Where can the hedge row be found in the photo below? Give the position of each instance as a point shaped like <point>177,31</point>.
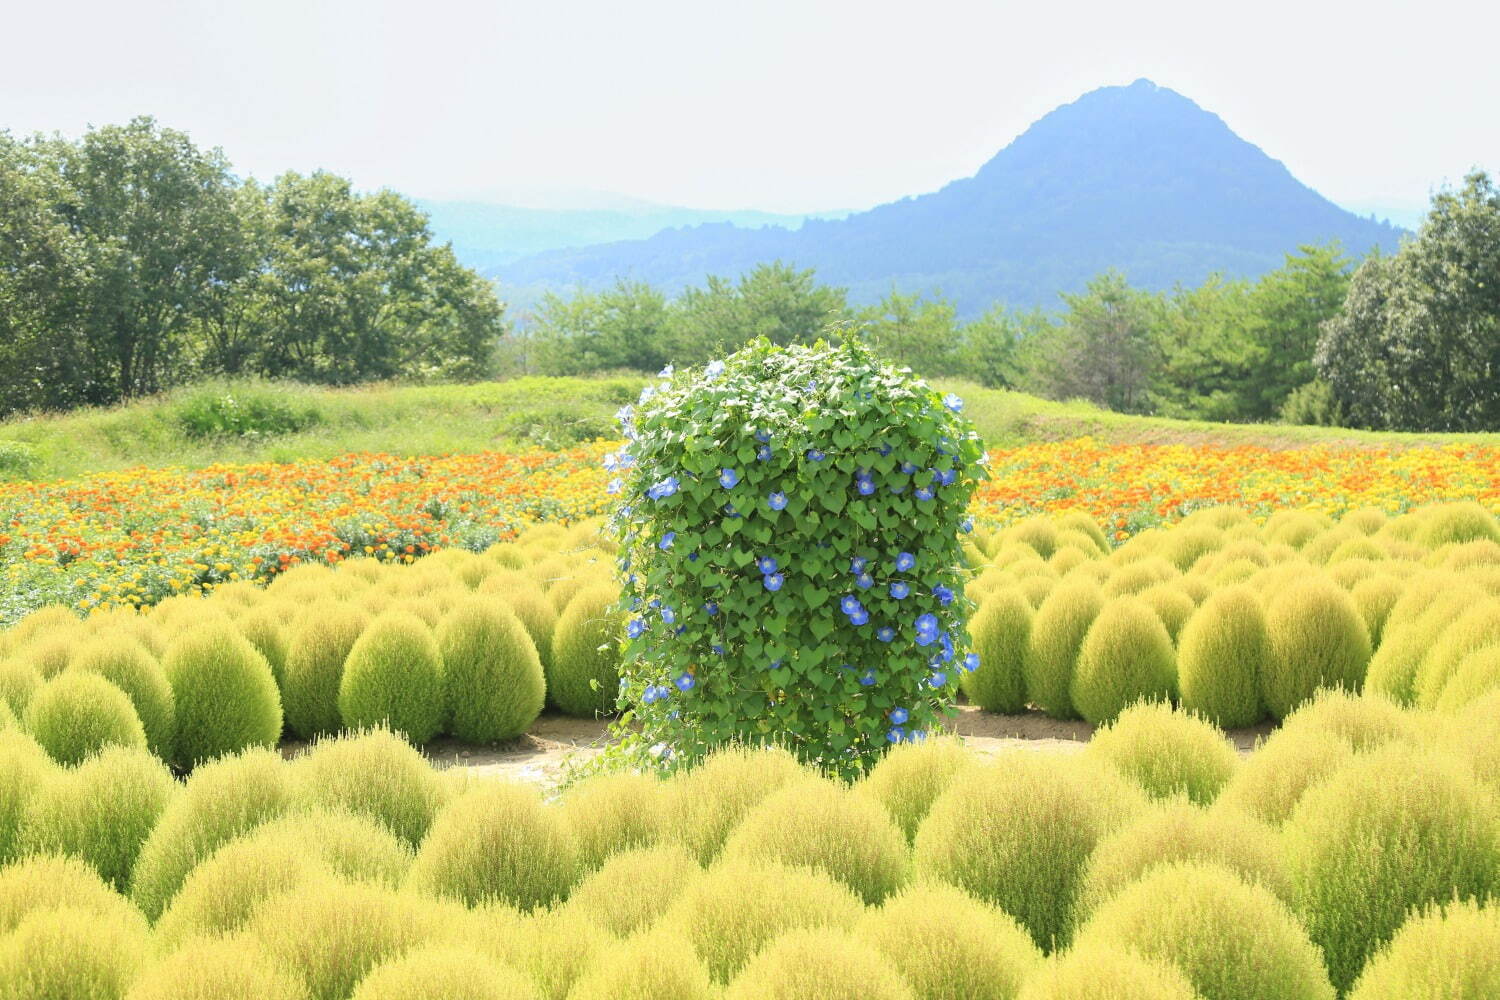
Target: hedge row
<point>459,643</point>
<point>1234,619</point>
<point>1230,618</point>
<point>1356,852</point>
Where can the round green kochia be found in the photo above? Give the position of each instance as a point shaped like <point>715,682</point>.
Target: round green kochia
<point>790,530</point>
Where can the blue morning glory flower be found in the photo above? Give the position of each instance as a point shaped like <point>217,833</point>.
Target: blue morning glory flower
<point>668,615</point>
<point>923,493</point>
<point>860,617</point>
<point>953,403</point>
<point>636,628</point>
<point>927,629</point>
<point>712,608</point>
<point>907,468</point>
<point>763,436</point>
<point>895,734</point>
<point>773,581</point>
<point>646,395</point>
<point>665,488</point>
<point>899,716</point>
<point>718,650</point>
<point>966,525</point>
<point>623,413</point>
<point>864,581</point>
<point>685,682</point>
<point>766,564</point>
<point>950,476</point>
<point>885,633</point>
<point>728,478</point>
<point>713,369</point>
<point>666,372</point>
<point>885,449</point>
<point>615,486</point>
<point>897,490</point>
<point>816,455</point>
<point>775,665</point>
<point>857,565</point>
<point>943,594</point>
<point>649,695</point>
<point>849,604</point>
<point>867,679</point>
<point>900,589</point>
<point>971,662</point>
<point>776,501</point>
<point>667,540</point>
<point>692,557</point>
<point>763,453</point>
<point>864,486</point>
<point>938,679</point>
<point>905,561</point>
<point>947,652</point>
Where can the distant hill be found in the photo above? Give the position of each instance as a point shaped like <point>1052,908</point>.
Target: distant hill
<point>1137,178</point>
<point>486,236</point>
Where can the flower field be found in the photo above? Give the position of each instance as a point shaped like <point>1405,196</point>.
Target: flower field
<point>136,537</point>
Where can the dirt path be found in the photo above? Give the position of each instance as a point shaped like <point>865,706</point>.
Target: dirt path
<point>542,755</point>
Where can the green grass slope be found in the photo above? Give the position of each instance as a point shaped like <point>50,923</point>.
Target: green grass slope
<point>250,421</point>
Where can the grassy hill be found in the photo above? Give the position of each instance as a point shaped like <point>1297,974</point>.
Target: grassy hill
<point>281,422</point>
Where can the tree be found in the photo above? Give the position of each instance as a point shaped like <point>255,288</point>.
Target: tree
<point>917,332</point>
<point>775,301</point>
<point>624,327</point>
<point>1287,308</point>
<point>351,289</point>
<point>1206,357</point>
<point>1104,349</point>
<point>1417,344</point>
<point>993,349</point>
<point>136,231</point>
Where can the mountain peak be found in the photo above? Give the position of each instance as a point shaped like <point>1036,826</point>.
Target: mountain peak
<point>1136,177</point>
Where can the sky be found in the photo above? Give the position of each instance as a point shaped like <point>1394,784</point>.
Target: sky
<point>779,105</point>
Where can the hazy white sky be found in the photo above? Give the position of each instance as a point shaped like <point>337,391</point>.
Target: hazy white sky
<point>788,105</point>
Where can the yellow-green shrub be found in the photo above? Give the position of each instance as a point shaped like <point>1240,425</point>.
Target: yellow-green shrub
<point>1451,953</point>
<point>910,777</point>
<point>24,769</point>
<point>647,967</point>
<point>331,934</point>
<point>633,888</point>
<point>949,946</point>
<point>225,969</point>
<point>821,824</point>
<point>100,811</point>
<point>373,773</point>
<point>1232,939</point>
<point>77,714</point>
<point>1455,523</point>
<point>223,890</point>
<point>492,677</point>
<point>1126,657</point>
<point>554,947</point>
<point>221,800</point>
<point>1166,752</point>
<point>820,962</point>
<point>1375,596</point>
<point>1392,831</point>
<point>1475,676</point>
<point>1318,639</point>
<point>68,953</point>
<point>1057,633</point>
<point>1363,721</point>
<point>585,676</point>
<point>1270,783</point>
<point>742,905</point>
<point>1100,973</point>
<point>126,664</point>
<point>497,842</point>
<point>265,627</point>
<point>315,665</point>
<point>1477,629</point>
<point>394,678</point>
<point>18,682</point>
<point>1178,831</point>
<point>1219,657</point>
<point>1416,622</point>
<point>225,697</point>
<point>613,812</point>
<point>1017,833</point>
<point>706,802</point>
<point>44,882</point>
<point>1001,631</point>
<point>443,973</point>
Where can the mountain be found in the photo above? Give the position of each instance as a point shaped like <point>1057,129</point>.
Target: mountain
<point>486,236</point>
<point>1137,178</point>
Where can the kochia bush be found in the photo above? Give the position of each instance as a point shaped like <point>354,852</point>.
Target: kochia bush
<point>790,537</point>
